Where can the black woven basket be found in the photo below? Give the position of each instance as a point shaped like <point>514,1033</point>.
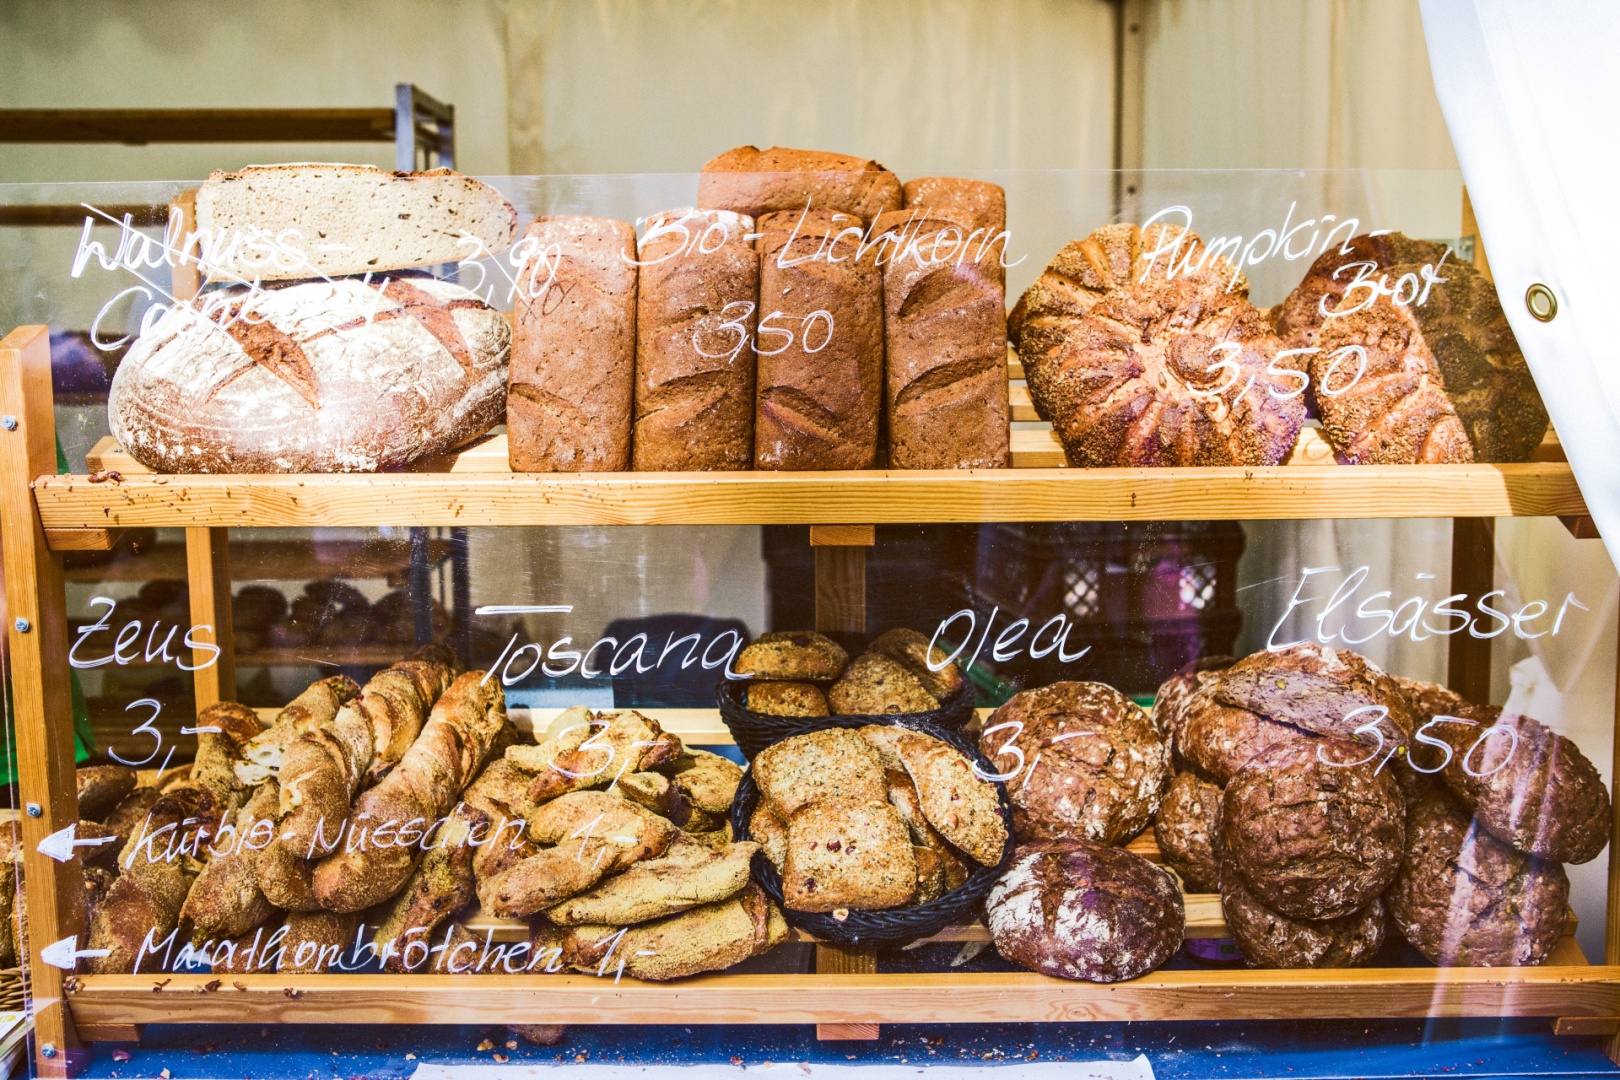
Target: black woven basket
<point>900,926</point>
<point>754,731</point>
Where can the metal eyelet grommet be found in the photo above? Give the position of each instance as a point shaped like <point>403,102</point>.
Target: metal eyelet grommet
<point>1542,303</point>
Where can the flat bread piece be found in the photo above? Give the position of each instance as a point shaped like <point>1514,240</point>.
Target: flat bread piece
<point>843,854</point>
<point>771,835</point>
<point>835,763</point>
<point>283,222</point>
<point>964,809</point>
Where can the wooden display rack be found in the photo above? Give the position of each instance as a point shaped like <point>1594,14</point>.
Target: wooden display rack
<point>846,997</point>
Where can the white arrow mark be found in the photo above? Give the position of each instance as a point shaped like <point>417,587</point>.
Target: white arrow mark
<point>63,954</point>
<point>60,844</point>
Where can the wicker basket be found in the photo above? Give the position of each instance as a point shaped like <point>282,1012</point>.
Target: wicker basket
<point>754,731</point>
<point>899,926</point>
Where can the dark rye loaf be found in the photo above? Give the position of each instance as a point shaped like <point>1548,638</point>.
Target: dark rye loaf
<point>1270,939</point>
<point>1189,817</point>
<point>1527,785</point>
<point>338,376</point>
<point>1079,910</point>
<point>751,181</point>
<point>945,340</point>
<point>1312,837</point>
<point>1465,899</point>
<point>573,348</point>
<point>1323,690</point>
<point>698,289</point>
<point>820,389</point>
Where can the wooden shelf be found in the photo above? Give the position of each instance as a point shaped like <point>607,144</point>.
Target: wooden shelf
<point>138,127</point>
<point>1563,991</point>
<point>474,487</point>
<point>270,560</point>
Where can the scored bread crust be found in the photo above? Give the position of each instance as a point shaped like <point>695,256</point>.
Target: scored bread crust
<point>280,222</point>
<point>1303,311</point>
<point>1323,690</point>
<point>1270,939</point>
<point>1185,826</point>
<point>1313,835</point>
<point>339,376</point>
<point>1124,355</point>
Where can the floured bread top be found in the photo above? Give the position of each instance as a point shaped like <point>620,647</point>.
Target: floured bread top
<point>283,222</point>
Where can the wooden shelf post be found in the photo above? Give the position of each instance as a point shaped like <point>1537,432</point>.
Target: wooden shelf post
<point>37,637</point>
<point>1473,572</point>
<point>840,552</point>
<point>208,575</point>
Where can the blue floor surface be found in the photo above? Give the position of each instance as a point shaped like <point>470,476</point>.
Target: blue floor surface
<point>1306,1050</point>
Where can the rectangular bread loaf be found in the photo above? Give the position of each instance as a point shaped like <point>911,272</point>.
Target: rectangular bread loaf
<point>820,344</point>
<point>279,222</point>
<point>755,182</point>
<point>573,348</point>
<point>978,206</point>
<point>945,344</point>
<point>695,304</point>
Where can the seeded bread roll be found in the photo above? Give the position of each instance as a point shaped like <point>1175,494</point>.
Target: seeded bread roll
<point>787,699</point>
<point>938,675</point>
<point>1465,899</point>
<point>1312,834</point>
<point>874,685</point>
<point>1270,939</point>
<point>945,333</point>
<point>821,353</point>
<point>1086,762</point>
<point>795,656</point>
<point>1188,818</point>
<point>695,300</point>
<point>318,220</point>
<point>834,763</point>
<point>573,348</point>
<point>1079,910</point>
<point>1527,785</point>
<point>752,181</point>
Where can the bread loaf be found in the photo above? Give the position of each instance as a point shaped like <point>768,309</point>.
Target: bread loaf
<point>1080,910</point>
<point>1322,690</point>
<point>1086,762</point>
<point>1188,819</point>
<point>1527,785</point>
<point>978,206</point>
<point>821,347</point>
<point>225,900</point>
<point>748,180</point>
<point>278,222</point>
<point>325,376</point>
<point>1270,939</point>
<point>1219,739</point>
<point>945,341</point>
<point>695,317</point>
<point>1136,364</point>
<point>1464,898</point>
<point>1169,703</point>
<point>1314,829</point>
<point>102,787</point>
<point>573,348</point>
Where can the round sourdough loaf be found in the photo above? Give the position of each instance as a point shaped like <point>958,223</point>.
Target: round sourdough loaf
<point>320,376</point>
<point>1323,690</point>
<point>1079,910</point>
<point>1188,819</point>
<point>1087,762</point>
<point>1270,939</point>
<point>1314,828</point>
<point>1465,899</point>
<point>1220,739</point>
<point>1142,348</point>
<point>1169,704</point>
<point>1527,785</point>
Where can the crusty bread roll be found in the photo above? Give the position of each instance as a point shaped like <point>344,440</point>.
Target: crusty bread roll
<point>279,222</point>
<point>339,376</point>
<point>695,303</point>
<point>574,348</point>
<point>752,181</point>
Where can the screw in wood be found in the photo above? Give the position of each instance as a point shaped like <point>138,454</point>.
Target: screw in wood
<point>48,1050</point>
<point>23,626</point>
<point>8,422</point>
<point>34,809</point>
